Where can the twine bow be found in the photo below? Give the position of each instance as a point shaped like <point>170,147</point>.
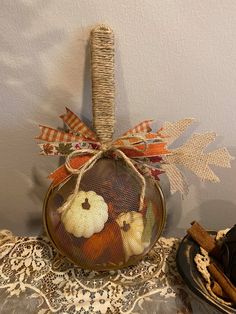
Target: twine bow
<point>99,154</point>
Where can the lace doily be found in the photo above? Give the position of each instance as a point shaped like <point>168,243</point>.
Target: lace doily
<point>30,269</point>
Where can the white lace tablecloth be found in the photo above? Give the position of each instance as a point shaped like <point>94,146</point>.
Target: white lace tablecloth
<point>34,278</point>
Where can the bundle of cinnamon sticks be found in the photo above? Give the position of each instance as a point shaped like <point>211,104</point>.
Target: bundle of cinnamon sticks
<point>222,286</point>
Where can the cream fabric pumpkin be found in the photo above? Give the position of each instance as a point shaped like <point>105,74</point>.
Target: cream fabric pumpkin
<point>86,215</point>
<point>131,226</point>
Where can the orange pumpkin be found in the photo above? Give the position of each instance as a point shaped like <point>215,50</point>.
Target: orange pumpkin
<point>99,248</point>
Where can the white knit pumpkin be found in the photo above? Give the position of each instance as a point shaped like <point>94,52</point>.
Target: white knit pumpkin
<point>131,226</point>
<point>86,215</point>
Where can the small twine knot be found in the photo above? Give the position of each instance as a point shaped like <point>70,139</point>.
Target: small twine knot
<point>106,146</point>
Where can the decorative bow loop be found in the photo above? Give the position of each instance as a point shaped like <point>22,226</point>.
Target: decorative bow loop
<point>80,144</point>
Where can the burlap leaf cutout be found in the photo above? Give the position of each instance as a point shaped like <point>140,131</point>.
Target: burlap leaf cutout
<point>191,155</point>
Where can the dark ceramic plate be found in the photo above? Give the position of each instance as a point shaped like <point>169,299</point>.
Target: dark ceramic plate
<point>188,270</point>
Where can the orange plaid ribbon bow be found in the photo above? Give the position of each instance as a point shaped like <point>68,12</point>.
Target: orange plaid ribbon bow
<point>142,146</point>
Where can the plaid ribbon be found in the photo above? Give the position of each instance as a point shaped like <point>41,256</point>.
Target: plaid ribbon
<point>143,127</point>
<point>77,126</point>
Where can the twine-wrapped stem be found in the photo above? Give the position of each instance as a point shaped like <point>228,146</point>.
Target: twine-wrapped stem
<point>103,83</point>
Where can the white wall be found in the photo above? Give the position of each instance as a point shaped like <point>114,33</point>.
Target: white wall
<point>174,59</point>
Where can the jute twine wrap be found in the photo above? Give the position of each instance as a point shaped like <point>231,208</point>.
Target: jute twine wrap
<point>103,83</point>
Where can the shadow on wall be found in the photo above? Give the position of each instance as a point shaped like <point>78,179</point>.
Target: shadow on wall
<point>217,214</point>
<point>122,112</point>
<point>174,208</point>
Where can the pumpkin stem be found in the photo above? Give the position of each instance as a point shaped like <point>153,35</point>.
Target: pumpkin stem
<point>86,204</point>
<point>125,226</point>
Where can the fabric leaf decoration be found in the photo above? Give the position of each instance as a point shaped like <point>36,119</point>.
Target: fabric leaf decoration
<point>171,131</point>
<point>191,155</point>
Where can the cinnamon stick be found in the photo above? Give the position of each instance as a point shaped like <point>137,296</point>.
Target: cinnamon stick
<point>216,288</point>
<point>227,286</point>
<point>201,236</point>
